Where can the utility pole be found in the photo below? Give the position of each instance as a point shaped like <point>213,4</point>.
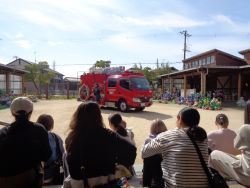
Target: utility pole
<point>157,63</point>
<point>54,65</point>
<point>35,55</point>
<point>185,33</point>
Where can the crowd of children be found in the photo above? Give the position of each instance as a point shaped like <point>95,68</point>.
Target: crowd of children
<point>96,156</point>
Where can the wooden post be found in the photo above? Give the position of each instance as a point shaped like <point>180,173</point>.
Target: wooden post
<point>23,91</point>
<point>239,85</point>
<point>185,86</point>
<point>205,83</point>
<point>202,83</point>
<point>47,91</point>
<point>170,85</point>
<point>67,89</point>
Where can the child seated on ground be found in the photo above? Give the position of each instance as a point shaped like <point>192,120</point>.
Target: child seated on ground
<point>53,170</point>
<point>152,172</point>
<point>119,126</point>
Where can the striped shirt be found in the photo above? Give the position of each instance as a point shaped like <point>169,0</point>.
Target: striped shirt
<point>181,165</point>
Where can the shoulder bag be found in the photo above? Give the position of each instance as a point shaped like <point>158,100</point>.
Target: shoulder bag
<point>215,180</point>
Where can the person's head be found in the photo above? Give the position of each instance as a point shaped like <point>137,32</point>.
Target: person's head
<point>21,108</point>
<point>190,118</point>
<point>222,120</point>
<point>87,116</point>
<point>247,113</point>
<point>157,126</point>
<point>47,121</point>
<point>115,123</point>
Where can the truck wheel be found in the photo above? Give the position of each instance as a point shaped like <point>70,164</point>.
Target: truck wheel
<point>123,107</point>
<point>139,109</point>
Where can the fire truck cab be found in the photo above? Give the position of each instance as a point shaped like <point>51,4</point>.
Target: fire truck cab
<point>124,90</point>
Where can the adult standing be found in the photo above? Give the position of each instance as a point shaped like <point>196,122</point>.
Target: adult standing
<point>181,165</point>
<point>93,150</point>
<point>23,145</point>
<point>97,92</point>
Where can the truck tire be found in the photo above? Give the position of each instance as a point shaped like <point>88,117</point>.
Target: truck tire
<point>139,109</point>
<point>123,106</point>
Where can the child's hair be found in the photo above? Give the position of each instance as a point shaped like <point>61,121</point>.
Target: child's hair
<point>116,121</point>
<point>157,126</point>
<point>47,121</point>
<point>222,120</point>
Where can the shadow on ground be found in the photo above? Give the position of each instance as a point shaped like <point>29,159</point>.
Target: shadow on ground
<point>143,115</point>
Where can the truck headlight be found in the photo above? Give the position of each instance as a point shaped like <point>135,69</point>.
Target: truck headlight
<point>136,100</point>
<point>151,100</point>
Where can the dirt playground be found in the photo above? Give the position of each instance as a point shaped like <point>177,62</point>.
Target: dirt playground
<point>62,111</point>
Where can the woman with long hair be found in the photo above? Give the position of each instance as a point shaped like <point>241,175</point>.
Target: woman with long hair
<point>180,162</point>
<point>92,150</point>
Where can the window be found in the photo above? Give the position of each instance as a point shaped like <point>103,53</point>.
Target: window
<point>16,84</point>
<point>2,83</point>
<point>208,59</point>
<point>196,63</point>
<point>212,59</point>
<point>112,82</point>
<point>200,62</point>
<point>124,83</point>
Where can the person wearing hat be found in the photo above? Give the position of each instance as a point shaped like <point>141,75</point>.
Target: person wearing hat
<point>23,146</point>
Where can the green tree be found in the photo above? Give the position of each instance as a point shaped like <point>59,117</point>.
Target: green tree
<point>39,75</point>
<point>102,63</point>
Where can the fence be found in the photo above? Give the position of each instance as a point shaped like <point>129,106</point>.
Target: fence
<point>66,89</point>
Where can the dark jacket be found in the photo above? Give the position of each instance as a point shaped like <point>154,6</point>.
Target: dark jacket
<point>22,147</point>
<point>99,151</point>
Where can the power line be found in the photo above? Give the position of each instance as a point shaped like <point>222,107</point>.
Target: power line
<point>185,33</point>
<point>116,64</point>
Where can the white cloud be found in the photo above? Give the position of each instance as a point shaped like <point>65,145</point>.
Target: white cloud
<point>40,18</point>
<point>24,43</point>
<point>19,35</point>
<point>223,19</point>
<point>53,43</point>
<point>166,20</point>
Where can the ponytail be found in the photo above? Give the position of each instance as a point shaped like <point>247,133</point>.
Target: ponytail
<point>191,119</point>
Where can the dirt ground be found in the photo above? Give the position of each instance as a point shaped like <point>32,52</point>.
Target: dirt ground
<point>62,111</point>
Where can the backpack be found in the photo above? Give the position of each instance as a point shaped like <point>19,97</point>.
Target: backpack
<point>53,170</point>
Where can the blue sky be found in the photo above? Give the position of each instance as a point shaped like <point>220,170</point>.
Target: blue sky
<point>76,33</point>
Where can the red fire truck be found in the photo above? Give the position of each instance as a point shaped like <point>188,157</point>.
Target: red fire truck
<point>120,89</point>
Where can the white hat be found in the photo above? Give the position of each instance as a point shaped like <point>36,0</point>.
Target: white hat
<point>21,103</point>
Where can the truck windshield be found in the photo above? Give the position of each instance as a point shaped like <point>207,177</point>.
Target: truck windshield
<point>139,83</point>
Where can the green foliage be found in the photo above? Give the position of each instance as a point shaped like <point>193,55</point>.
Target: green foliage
<point>152,74</point>
<point>102,64</point>
<point>39,74</point>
